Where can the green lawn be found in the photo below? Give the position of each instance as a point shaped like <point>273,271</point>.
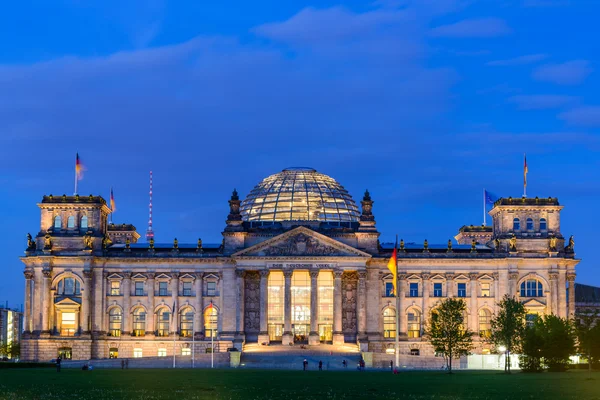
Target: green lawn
<point>258,384</point>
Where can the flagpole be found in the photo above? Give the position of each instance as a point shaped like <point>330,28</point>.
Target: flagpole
<point>525,170</point>
<point>174,332</point>
<point>397,343</point>
<point>75,194</point>
<point>212,343</point>
<point>484,216</point>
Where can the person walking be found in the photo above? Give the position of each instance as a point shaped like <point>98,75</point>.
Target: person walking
<point>391,366</point>
<point>304,364</point>
<point>58,361</point>
<point>123,364</point>
<point>127,363</point>
<point>344,363</point>
<point>320,365</point>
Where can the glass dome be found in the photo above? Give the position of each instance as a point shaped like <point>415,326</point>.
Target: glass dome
<point>299,194</point>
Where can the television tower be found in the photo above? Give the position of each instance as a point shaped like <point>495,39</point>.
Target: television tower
<point>150,232</point>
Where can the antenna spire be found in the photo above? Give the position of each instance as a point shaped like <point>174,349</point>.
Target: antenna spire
<point>150,232</point>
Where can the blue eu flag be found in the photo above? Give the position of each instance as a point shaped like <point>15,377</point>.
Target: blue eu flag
<point>490,198</point>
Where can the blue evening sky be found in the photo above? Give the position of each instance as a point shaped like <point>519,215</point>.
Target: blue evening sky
<point>423,102</point>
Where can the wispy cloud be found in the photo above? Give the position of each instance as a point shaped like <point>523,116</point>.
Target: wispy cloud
<point>585,116</point>
<point>521,60</point>
<point>473,28</point>
<point>541,101</point>
<point>568,73</point>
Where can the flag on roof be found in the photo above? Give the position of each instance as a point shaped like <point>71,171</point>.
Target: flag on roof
<point>393,266</point>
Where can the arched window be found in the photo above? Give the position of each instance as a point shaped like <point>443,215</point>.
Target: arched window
<point>68,287</point>
<point>114,321</point>
<point>58,222</point>
<point>543,224</point>
<point>389,323</point>
<point>414,323</point>
<point>516,224</point>
<point>532,288</point>
<point>139,322</point>
<point>485,327</point>
<point>162,322</point>
<point>529,224</point>
<point>211,321</point>
<point>84,222</point>
<point>71,222</point>
<point>186,322</point>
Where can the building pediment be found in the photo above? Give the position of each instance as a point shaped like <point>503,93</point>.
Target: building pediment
<point>532,303</point>
<point>301,242</point>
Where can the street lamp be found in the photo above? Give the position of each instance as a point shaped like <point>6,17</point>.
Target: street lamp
<point>501,349</point>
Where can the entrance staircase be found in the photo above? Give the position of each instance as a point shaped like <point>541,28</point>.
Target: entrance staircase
<point>291,357</point>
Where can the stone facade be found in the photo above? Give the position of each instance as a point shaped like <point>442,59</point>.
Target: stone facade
<point>91,294</point>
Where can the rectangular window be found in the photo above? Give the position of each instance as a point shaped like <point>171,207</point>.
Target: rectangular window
<point>115,288</point>
<point>187,288</point>
<point>67,327</point>
<point>137,353</point>
<point>211,288</point>
<point>139,288</point>
<point>437,290</point>
<point>162,352</point>
<point>389,289</point>
<point>163,289</point>
<point>485,289</point>
<point>186,351</point>
<point>414,290</point>
<point>462,290</point>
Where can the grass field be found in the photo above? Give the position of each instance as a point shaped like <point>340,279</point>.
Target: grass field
<point>261,384</point>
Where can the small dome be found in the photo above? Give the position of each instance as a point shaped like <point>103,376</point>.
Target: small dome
<point>299,194</point>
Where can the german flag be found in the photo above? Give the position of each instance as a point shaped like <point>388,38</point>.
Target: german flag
<point>393,266</point>
<point>78,167</point>
<point>113,207</point>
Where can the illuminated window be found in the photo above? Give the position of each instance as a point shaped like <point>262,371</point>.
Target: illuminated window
<point>187,288</point>
<point>71,222</point>
<point>139,288</point>
<point>162,352</point>
<point>485,327</point>
<point>414,289</point>
<point>68,287</point>
<point>389,289</point>
<point>58,222</point>
<point>139,322</point>
<point>114,322</point>
<point>115,288</point>
<point>516,224</point>
<point>65,353</point>
<point>532,288</point>
<point>113,352</point>
<point>462,290</point>
<point>414,323</point>
<point>437,290</point>
<point>163,289</point>
<point>485,289</point>
<point>186,321</point>
<point>211,288</point>
<point>389,322</point>
<point>300,298</point>
<point>185,351</point>
<point>84,222</point>
<point>211,321</point>
<point>275,304</point>
<point>162,322</point>
<point>68,324</point>
<point>543,224</point>
<point>325,297</point>
<point>530,319</point>
<point>529,224</point>
<point>137,353</point>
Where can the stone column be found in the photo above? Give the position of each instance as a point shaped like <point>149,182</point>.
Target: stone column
<point>199,304</point>
<point>338,334</point>
<point>402,305</point>
<point>239,310</point>
<point>562,294</point>
<point>449,285</point>
<point>287,337</point>
<point>263,335</point>
<point>127,317</point>
<point>38,300</point>
<point>313,337</point>
<point>150,316</point>
<point>84,321</point>
<point>571,279</point>
<point>99,295</point>
<point>361,307</point>
<point>27,325</point>
<point>552,305</point>
<point>474,311</point>
<point>175,301</point>
<point>46,300</point>
<point>513,278</point>
<point>503,283</point>
<point>497,297</point>
<point>425,302</point>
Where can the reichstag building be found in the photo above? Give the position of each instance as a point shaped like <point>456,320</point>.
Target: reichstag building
<point>300,263</point>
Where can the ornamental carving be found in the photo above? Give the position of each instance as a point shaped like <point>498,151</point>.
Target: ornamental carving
<point>252,302</point>
<point>302,245</point>
<point>349,294</point>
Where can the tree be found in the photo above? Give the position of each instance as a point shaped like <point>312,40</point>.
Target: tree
<point>531,347</point>
<point>587,328</point>
<point>447,331</point>
<point>508,326</point>
<point>558,341</point>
